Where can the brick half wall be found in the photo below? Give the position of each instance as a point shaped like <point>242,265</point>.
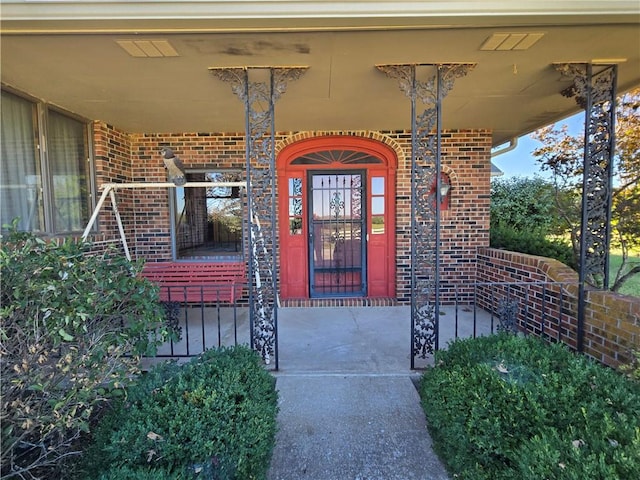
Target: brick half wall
<point>612,320</point>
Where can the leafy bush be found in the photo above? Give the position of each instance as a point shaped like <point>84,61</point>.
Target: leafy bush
<point>532,243</point>
<point>505,407</point>
<point>73,326</point>
<point>632,369</point>
<point>523,216</point>
<point>525,205</point>
<point>212,418</point>
<point>140,473</point>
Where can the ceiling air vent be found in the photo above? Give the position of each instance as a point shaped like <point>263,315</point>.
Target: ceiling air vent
<point>148,48</point>
<point>501,42</point>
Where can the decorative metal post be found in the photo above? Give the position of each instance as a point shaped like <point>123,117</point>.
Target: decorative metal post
<point>426,153</point>
<point>259,88</point>
<point>596,93</point>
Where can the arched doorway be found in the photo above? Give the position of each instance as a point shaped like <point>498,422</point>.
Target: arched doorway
<point>336,204</point>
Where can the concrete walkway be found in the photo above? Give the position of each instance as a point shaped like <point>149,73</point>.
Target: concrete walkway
<point>348,406</point>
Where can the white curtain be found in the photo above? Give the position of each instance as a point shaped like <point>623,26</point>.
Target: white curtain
<point>20,178</point>
<point>69,172</point>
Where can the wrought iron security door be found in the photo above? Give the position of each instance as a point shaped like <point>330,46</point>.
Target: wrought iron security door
<point>337,222</point>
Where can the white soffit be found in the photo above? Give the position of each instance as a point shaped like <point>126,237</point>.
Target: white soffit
<point>299,9</point>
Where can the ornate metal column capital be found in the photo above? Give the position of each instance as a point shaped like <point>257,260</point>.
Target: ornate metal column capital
<point>587,83</point>
<point>238,77</point>
<point>425,91</point>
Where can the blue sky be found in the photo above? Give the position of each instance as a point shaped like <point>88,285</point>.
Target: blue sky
<point>520,163</point>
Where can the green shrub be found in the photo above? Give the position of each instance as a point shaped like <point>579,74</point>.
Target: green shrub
<point>632,369</point>
<point>214,417</point>
<point>139,473</point>
<point>525,204</point>
<point>504,407</point>
<point>73,327</point>
<point>531,242</point>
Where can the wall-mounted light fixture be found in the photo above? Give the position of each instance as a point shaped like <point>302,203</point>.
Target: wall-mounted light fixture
<point>445,185</point>
<point>445,190</point>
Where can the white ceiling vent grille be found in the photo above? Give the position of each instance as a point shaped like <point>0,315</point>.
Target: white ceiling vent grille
<point>510,41</point>
<point>148,48</point>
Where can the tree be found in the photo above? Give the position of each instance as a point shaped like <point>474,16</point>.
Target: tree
<point>562,155</point>
<point>524,204</point>
<point>524,219</point>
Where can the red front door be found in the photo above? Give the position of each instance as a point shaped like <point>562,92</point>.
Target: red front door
<point>337,218</point>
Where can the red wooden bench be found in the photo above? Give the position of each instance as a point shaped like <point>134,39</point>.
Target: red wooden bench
<point>208,282</point>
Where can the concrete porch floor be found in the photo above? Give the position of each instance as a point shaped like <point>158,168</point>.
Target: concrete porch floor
<point>367,340</point>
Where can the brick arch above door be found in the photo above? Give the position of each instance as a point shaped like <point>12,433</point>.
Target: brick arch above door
<point>310,155</point>
<point>299,143</point>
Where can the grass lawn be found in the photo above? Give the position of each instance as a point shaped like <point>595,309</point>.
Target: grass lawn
<point>631,286</point>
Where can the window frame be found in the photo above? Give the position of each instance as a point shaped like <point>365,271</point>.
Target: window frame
<point>40,125</point>
<point>174,213</point>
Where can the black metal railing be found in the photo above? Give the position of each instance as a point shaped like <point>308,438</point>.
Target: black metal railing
<point>546,309</point>
<point>204,317</point>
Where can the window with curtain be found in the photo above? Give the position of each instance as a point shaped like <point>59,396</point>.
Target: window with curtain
<point>47,188</point>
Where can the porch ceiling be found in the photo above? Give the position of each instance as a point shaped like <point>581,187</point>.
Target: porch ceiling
<point>79,65</point>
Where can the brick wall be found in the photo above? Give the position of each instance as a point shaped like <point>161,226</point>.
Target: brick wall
<point>112,160</point>
<point>122,157</point>
<point>612,321</point>
<point>197,151</point>
<point>464,225</point>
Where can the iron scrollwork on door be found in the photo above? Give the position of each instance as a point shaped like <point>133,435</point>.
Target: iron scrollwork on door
<point>336,206</point>
<point>337,250</point>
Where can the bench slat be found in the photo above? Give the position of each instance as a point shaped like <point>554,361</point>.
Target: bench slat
<point>198,282</point>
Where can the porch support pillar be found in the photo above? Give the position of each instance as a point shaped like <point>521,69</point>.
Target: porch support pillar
<point>426,158</point>
<point>594,89</point>
<point>259,88</point>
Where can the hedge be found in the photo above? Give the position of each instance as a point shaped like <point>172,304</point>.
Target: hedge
<point>506,406</point>
<point>212,418</point>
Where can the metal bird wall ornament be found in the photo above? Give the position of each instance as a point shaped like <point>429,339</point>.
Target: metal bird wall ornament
<point>175,168</point>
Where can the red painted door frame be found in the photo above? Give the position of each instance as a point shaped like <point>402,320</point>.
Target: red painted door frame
<point>294,235</point>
